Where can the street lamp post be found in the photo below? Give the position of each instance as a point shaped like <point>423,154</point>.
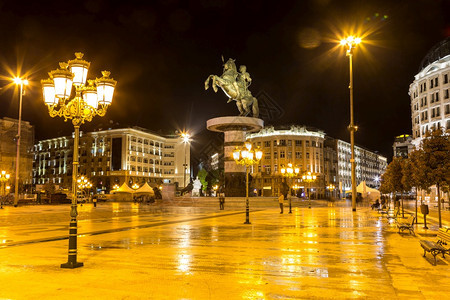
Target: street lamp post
<point>88,101</point>
<point>247,157</point>
<point>21,82</point>
<point>351,42</point>
<point>290,172</point>
<point>84,183</point>
<point>4,178</point>
<point>186,140</point>
<point>308,177</point>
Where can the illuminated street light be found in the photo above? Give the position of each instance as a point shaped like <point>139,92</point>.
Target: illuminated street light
<point>351,42</point>
<point>247,157</point>
<point>186,140</point>
<point>308,177</point>
<point>88,101</point>
<point>115,187</point>
<point>331,188</point>
<point>4,178</point>
<point>21,82</point>
<point>290,172</point>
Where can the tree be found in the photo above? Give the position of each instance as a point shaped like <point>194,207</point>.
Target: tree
<point>436,161</point>
<point>391,181</point>
<point>202,177</point>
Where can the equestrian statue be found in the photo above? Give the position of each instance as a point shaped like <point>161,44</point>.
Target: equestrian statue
<point>235,85</point>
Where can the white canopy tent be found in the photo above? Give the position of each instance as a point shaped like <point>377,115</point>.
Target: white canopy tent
<point>145,189</point>
<point>368,192</point>
<point>124,189</point>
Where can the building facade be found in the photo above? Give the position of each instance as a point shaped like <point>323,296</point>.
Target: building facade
<point>8,150</point>
<point>403,145</point>
<point>369,165</point>
<point>115,156</point>
<point>429,92</point>
<point>311,151</point>
<point>301,146</point>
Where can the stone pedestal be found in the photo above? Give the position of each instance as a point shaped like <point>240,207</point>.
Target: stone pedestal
<point>234,129</point>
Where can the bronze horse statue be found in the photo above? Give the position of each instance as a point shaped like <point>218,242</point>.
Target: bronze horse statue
<point>235,85</point>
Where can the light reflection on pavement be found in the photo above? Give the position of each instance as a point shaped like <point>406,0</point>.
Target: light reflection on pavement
<point>135,251</point>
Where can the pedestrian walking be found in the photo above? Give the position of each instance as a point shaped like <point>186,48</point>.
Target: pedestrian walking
<point>280,200</point>
<point>222,201</point>
<point>94,200</point>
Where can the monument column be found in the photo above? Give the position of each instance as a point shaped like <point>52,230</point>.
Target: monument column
<point>234,129</point>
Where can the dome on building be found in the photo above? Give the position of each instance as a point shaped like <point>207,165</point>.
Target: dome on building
<point>440,50</point>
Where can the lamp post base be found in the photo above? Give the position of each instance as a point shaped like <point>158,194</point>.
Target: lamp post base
<point>71,265</point>
<point>353,209</point>
<point>247,222</point>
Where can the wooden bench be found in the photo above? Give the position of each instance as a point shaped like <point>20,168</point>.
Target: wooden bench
<point>407,224</point>
<point>440,246</point>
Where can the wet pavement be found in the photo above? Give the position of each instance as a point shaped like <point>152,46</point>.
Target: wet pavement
<point>189,249</point>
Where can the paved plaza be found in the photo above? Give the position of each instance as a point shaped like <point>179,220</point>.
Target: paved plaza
<point>189,249</point>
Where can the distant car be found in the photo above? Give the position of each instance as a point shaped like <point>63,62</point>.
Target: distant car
<point>82,199</point>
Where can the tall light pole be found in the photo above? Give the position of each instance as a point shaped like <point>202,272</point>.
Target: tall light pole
<point>21,82</point>
<point>290,172</point>
<point>186,140</point>
<point>87,101</point>
<point>308,177</point>
<point>351,42</point>
<point>247,157</point>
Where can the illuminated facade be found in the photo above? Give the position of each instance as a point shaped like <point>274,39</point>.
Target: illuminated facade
<point>403,146</point>
<point>369,165</point>
<point>113,156</point>
<point>429,92</point>
<point>297,145</point>
<point>312,151</point>
<point>8,149</point>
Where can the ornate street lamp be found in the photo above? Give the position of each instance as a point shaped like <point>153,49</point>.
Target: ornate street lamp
<point>186,140</point>
<point>247,157</point>
<point>308,177</point>
<point>87,101</point>
<point>4,178</point>
<point>290,172</point>
<point>331,187</point>
<point>21,82</point>
<point>351,42</point>
<point>84,183</point>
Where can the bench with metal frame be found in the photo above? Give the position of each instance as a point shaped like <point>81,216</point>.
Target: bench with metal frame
<point>407,224</point>
<point>440,246</point>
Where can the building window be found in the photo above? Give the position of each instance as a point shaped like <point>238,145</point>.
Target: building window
<point>289,155</point>
<point>266,143</point>
<point>307,155</point>
<point>289,143</point>
<point>282,143</point>
<point>298,155</point>
<point>445,78</point>
<point>436,81</point>
<point>447,109</point>
<point>298,143</point>
<point>438,111</point>
<point>282,154</point>
<point>307,143</point>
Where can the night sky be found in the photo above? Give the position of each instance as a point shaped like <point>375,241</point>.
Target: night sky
<point>161,52</point>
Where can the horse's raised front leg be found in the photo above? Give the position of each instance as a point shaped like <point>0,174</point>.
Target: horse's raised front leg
<point>207,82</point>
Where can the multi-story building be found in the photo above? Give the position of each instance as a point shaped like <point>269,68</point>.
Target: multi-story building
<point>429,92</point>
<point>8,149</point>
<point>403,146</point>
<point>301,146</point>
<point>369,165</point>
<point>311,151</point>
<point>110,157</point>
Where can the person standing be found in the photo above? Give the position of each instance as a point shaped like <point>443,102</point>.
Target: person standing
<point>280,200</point>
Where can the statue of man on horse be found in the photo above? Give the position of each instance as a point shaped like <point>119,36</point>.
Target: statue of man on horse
<point>235,85</point>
